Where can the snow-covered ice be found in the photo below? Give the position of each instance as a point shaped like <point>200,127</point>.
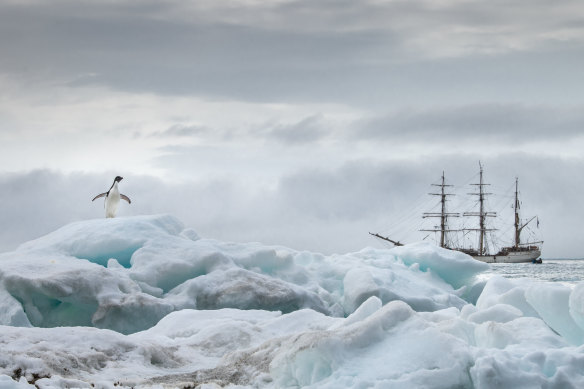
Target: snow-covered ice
<point>146,302</point>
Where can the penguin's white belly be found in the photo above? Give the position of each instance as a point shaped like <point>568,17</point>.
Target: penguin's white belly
<point>112,201</point>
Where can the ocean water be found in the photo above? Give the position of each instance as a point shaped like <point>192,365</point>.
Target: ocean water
<point>566,271</point>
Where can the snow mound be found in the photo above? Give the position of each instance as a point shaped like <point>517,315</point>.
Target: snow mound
<point>143,302</point>
<point>452,266</point>
<point>126,274</point>
<point>389,346</point>
<point>559,306</point>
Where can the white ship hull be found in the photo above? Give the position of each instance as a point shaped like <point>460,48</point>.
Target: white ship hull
<point>512,257</point>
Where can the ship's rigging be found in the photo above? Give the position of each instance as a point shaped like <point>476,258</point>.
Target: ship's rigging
<point>484,247</point>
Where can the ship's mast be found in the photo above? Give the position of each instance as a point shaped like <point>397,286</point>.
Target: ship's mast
<point>516,208</point>
<point>518,226</point>
<point>482,214</point>
<point>443,215</point>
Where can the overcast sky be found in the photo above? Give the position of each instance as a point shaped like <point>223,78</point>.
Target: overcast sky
<point>301,123</point>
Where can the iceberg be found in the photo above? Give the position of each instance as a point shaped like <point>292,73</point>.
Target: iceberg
<point>145,302</point>
<point>126,274</point>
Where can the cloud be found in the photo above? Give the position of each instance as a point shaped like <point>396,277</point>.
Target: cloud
<point>323,210</point>
<point>369,53</point>
<point>297,122</point>
<point>305,130</point>
<point>499,123</point>
<point>309,129</point>
<point>181,130</point>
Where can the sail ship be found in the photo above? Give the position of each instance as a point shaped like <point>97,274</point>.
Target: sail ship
<point>516,253</point>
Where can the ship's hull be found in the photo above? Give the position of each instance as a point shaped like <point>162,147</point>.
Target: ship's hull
<point>511,257</point>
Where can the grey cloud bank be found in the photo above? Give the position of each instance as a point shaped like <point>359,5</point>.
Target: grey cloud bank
<point>499,123</point>
<point>318,210</point>
<point>366,53</point>
<point>304,123</point>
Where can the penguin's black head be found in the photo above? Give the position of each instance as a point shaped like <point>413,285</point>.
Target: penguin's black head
<point>118,179</point>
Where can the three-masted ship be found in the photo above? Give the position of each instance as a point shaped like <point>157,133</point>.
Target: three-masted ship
<point>516,253</point>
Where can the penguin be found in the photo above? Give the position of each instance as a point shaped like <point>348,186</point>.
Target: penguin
<point>112,198</point>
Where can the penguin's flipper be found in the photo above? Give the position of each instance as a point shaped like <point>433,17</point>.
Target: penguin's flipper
<point>123,196</point>
<point>99,195</point>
